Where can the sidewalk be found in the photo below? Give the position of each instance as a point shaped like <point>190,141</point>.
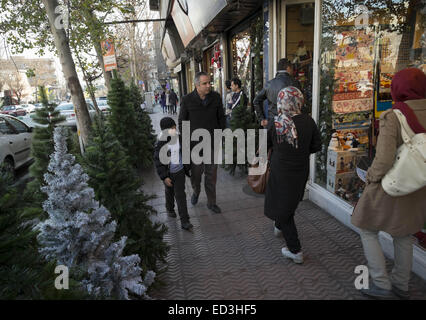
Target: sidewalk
<point>234,255</point>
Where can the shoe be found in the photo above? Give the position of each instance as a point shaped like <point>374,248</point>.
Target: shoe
<point>277,232</point>
<point>194,199</point>
<point>376,292</point>
<point>214,208</point>
<point>171,213</point>
<point>296,257</point>
<point>186,225</point>
<point>404,295</point>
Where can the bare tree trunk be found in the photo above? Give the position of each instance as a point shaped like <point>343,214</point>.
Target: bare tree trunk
<point>98,49</point>
<point>69,71</point>
<point>133,52</point>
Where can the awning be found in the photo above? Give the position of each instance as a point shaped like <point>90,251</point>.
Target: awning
<point>192,16</point>
<point>169,53</point>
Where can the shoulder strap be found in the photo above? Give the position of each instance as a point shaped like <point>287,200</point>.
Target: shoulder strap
<point>238,100</point>
<point>406,132</point>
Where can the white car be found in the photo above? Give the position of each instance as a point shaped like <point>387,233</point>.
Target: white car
<point>103,106</point>
<point>15,142</point>
<point>29,108</point>
<point>67,110</point>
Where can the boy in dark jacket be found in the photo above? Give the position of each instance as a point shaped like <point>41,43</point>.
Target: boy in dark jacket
<point>173,173</point>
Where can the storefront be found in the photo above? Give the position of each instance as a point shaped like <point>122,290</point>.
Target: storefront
<point>190,75</point>
<point>245,52</point>
<point>295,41</point>
<point>212,64</point>
<point>349,54</point>
<point>358,49</point>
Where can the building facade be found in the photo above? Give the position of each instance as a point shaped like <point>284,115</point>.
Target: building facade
<point>44,72</point>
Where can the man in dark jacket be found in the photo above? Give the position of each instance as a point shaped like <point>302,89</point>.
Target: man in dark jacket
<point>173,99</point>
<point>282,79</point>
<point>173,173</point>
<point>204,109</point>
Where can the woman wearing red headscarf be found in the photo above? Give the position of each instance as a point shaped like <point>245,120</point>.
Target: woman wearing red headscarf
<point>398,216</point>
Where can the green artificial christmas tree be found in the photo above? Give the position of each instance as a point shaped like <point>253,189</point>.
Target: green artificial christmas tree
<point>117,187</point>
<point>241,119</point>
<point>42,146</point>
<point>124,123</point>
<point>325,110</point>
<point>146,134</point>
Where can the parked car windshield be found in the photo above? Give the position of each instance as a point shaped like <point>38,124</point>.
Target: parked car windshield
<point>5,108</point>
<point>102,103</point>
<point>65,107</point>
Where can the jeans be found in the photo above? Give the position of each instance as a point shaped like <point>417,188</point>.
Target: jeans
<point>403,251</point>
<point>178,192</point>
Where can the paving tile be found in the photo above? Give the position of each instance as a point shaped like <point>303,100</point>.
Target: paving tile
<point>204,289</point>
<point>228,263</point>
<point>172,289</point>
<point>241,285</point>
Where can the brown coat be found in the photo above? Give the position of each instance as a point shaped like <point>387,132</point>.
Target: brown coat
<point>376,210</point>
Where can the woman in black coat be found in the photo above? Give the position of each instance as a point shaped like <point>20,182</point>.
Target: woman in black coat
<point>293,137</point>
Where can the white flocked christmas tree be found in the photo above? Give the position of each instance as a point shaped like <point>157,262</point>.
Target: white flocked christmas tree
<point>79,233</point>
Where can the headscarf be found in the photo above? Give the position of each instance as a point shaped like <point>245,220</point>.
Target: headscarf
<point>409,84</point>
<point>289,103</point>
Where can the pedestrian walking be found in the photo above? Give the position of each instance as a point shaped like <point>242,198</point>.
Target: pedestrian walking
<point>173,100</point>
<point>377,211</point>
<point>282,79</point>
<point>293,137</point>
<point>173,174</point>
<point>169,107</point>
<point>203,108</point>
<point>228,102</point>
<point>163,101</point>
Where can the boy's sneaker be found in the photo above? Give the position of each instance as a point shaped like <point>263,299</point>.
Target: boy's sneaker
<point>214,208</point>
<point>376,292</point>
<point>404,295</point>
<point>297,258</point>
<point>277,232</point>
<point>171,213</point>
<point>186,225</point>
<point>194,199</point>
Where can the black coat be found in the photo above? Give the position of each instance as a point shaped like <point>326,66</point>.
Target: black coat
<point>282,80</point>
<point>173,98</point>
<point>290,167</point>
<point>209,116</point>
<point>163,170</point>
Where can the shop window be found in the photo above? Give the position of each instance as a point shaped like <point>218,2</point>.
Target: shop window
<point>299,45</point>
<point>212,64</point>
<point>363,44</point>
<point>241,62</point>
<point>190,75</point>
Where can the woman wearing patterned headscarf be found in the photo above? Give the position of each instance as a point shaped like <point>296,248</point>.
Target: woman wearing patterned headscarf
<point>293,137</point>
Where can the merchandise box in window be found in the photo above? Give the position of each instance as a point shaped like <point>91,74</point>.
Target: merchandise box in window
<point>339,183</point>
<point>341,161</point>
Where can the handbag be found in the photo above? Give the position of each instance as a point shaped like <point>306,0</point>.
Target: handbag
<point>258,182</point>
<point>408,173</point>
